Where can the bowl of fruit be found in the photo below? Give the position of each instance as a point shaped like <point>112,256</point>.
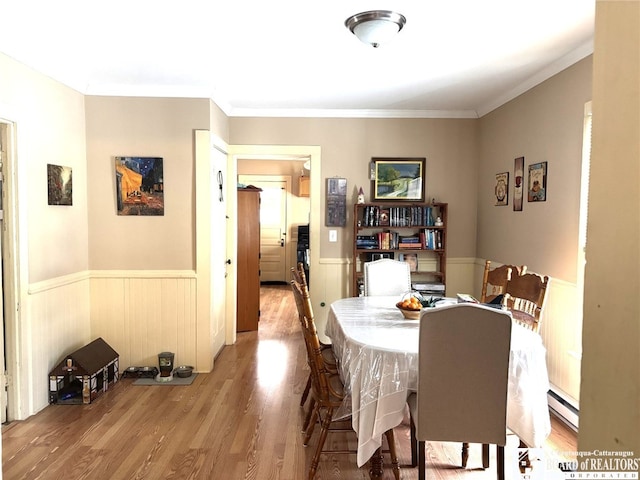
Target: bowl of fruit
<point>412,302</point>
<point>410,305</point>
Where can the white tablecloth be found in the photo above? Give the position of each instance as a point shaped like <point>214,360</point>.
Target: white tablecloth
<point>378,354</point>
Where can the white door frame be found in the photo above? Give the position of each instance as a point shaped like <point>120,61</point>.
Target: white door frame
<point>15,270</point>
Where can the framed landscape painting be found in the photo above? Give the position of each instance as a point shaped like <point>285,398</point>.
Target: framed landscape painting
<point>398,179</point>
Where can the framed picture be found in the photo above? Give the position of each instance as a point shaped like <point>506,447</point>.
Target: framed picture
<point>398,179</point>
<point>336,202</point>
<point>502,189</point>
<point>411,259</point>
<point>59,185</point>
<point>139,185</point>
<point>537,182</point>
<point>518,176</point>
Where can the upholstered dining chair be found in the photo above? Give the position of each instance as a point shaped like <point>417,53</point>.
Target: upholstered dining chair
<point>494,281</point>
<point>298,275</point>
<point>327,389</point>
<point>462,379</point>
<point>386,277</point>
<point>525,297</point>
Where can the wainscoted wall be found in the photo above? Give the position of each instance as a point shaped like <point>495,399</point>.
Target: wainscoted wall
<point>141,314</point>
<point>56,323</point>
<point>561,332</point>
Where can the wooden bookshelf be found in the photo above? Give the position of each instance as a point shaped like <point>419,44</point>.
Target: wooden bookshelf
<point>395,229</point>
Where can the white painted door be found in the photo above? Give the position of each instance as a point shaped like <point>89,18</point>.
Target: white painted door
<point>219,263</point>
<point>273,225</point>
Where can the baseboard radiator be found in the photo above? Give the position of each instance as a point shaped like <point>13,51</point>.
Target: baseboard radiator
<point>566,411</point>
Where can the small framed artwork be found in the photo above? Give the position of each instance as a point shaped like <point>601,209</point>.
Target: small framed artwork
<point>502,189</point>
<point>518,180</point>
<point>139,185</point>
<point>537,182</point>
<point>411,259</point>
<point>59,185</point>
<point>336,202</point>
<point>398,179</point>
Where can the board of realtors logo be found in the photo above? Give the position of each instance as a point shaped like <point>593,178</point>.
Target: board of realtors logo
<point>537,464</point>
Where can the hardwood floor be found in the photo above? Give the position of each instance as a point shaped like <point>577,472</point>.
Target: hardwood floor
<point>242,421</point>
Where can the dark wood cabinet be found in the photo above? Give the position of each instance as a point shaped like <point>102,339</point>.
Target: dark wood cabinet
<point>248,290</point>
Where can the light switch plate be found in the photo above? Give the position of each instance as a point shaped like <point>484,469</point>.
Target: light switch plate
<point>333,235</point>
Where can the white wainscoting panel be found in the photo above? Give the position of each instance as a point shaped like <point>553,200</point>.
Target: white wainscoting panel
<point>561,332</point>
<point>141,314</point>
<point>57,324</point>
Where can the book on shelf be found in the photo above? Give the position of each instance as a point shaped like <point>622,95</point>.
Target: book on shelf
<point>431,239</point>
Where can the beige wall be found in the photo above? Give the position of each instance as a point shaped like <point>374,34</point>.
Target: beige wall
<point>543,125</point>
<point>155,127</point>
<point>50,119</point>
<point>610,394</point>
<point>52,289</point>
<point>450,147</point>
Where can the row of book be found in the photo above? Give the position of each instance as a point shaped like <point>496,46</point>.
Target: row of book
<point>410,216</point>
<point>427,239</point>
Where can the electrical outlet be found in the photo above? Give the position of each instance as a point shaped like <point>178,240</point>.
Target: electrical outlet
<point>333,235</point>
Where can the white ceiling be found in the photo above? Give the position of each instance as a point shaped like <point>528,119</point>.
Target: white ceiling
<point>454,58</point>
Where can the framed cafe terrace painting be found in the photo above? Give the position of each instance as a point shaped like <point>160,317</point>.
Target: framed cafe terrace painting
<point>398,179</point>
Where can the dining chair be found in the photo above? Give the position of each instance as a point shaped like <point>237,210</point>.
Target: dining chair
<point>525,297</point>
<point>462,379</point>
<point>327,389</point>
<point>494,281</point>
<point>299,276</point>
<point>386,277</point>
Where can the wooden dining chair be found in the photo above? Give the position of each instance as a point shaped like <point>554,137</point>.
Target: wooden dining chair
<point>494,281</point>
<point>327,389</point>
<point>298,275</point>
<point>463,376</point>
<point>386,277</point>
<point>525,297</point>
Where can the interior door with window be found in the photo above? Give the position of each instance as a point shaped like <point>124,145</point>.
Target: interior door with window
<point>274,244</point>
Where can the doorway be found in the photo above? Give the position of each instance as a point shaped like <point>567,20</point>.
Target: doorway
<point>274,225</point>
<point>9,284</point>
<point>263,157</point>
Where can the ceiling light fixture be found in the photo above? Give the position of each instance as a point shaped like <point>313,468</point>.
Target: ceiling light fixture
<point>376,26</point>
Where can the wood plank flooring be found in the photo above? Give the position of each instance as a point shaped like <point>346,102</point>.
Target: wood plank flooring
<point>242,421</point>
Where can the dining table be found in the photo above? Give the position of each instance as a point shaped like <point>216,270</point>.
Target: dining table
<point>377,353</point>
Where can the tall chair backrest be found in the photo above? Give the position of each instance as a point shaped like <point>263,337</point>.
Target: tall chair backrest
<point>297,274</point>
<point>319,382</point>
<point>494,281</point>
<point>386,277</point>
<point>525,296</point>
<point>463,374</point>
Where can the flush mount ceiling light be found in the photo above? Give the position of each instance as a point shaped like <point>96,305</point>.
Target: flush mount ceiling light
<point>376,26</point>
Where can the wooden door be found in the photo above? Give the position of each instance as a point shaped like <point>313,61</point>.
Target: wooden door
<point>274,244</point>
<point>248,263</point>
